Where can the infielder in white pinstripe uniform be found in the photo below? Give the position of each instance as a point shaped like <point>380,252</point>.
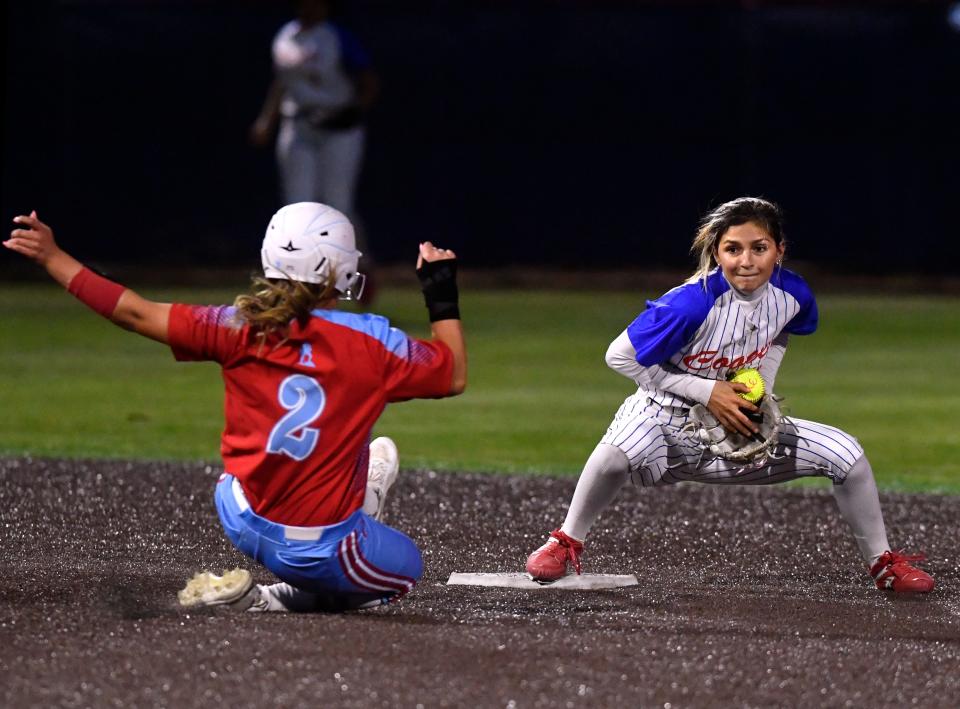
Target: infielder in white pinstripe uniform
<point>738,310</point>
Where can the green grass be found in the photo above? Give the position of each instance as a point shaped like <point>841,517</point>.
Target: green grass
<point>539,398</point>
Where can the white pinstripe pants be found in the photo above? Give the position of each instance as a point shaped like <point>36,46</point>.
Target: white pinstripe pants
<point>660,454</point>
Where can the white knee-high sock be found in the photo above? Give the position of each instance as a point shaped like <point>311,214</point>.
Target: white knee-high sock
<point>605,472</point>
<point>859,505</point>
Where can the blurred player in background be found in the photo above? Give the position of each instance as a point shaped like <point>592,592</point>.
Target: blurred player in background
<point>737,310</point>
<point>323,86</point>
<point>304,486</point>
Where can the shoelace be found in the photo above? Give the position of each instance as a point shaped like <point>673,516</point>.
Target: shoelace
<point>570,551</point>
<point>893,558</point>
<point>898,556</point>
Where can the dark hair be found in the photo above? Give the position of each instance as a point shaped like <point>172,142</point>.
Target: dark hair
<point>714,225</point>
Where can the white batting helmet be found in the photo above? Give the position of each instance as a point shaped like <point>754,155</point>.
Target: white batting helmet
<point>307,241</point>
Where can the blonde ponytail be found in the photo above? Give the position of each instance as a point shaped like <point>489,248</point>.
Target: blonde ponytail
<point>274,303</point>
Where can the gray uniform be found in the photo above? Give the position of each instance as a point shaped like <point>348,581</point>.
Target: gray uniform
<point>314,65</point>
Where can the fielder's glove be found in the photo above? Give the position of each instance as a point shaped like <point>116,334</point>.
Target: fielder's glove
<point>736,447</point>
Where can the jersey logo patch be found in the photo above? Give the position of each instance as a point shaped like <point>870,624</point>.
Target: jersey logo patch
<point>306,355</point>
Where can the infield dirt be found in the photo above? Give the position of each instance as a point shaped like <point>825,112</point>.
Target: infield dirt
<point>747,597</point>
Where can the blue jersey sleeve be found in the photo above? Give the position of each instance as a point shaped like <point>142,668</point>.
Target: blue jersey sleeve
<point>354,57</point>
<point>807,318</point>
<point>669,322</point>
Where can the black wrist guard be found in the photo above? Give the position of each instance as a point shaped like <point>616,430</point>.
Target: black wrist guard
<point>438,281</point>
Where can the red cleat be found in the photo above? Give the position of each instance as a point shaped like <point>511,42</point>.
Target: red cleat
<point>549,563</point>
<point>893,572</point>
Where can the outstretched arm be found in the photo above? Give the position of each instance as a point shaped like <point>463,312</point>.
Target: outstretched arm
<point>437,270</point>
<point>34,239</point>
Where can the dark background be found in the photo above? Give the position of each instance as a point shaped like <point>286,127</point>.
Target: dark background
<point>566,133</point>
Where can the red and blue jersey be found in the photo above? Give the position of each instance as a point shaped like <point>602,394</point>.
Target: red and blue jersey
<point>299,412</point>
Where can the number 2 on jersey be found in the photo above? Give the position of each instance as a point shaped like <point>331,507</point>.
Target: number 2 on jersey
<point>305,399</point>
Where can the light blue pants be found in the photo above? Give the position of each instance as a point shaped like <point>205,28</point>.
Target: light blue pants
<point>347,565</point>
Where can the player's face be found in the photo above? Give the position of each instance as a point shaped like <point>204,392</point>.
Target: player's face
<point>747,256</point>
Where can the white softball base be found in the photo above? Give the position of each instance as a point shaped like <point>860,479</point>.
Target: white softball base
<point>573,582</point>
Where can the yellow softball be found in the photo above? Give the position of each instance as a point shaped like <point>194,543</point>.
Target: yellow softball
<point>751,378</point>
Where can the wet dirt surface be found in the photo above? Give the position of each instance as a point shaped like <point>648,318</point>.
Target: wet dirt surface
<point>748,597</point>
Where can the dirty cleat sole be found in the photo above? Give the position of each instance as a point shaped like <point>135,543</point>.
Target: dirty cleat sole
<point>207,589</point>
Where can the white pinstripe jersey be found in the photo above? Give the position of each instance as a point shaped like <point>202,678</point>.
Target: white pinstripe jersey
<point>707,332</point>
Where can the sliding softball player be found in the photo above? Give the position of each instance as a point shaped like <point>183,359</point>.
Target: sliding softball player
<point>304,487</point>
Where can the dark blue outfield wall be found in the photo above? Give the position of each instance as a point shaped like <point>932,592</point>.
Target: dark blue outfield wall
<point>555,132</point>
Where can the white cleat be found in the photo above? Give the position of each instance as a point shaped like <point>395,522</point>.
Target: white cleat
<point>207,589</point>
<point>382,473</point>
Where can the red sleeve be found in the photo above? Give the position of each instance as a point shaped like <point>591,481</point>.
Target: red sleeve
<point>203,332</point>
<point>424,370</point>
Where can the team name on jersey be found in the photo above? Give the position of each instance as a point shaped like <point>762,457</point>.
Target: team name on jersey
<point>707,359</point>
